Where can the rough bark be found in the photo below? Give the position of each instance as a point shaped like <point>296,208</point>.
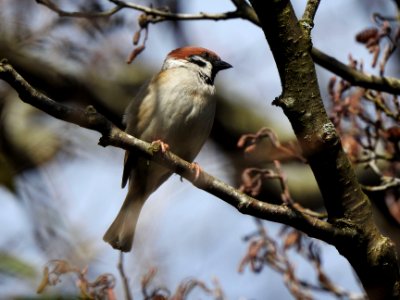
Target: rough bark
<point>372,255</point>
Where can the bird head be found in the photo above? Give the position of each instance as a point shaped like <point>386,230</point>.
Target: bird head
<point>206,62</point>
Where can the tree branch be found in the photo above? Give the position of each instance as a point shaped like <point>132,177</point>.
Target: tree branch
<point>357,78</point>
<point>372,255</point>
<point>245,11</point>
<point>157,14</point>
<point>309,15</point>
<point>112,135</point>
<point>125,281</point>
<point>78,14</point>
<point>311,10</point>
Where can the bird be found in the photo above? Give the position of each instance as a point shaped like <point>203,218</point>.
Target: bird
<point>175,108</point>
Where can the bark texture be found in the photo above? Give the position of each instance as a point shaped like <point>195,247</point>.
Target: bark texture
<point>371,254</point>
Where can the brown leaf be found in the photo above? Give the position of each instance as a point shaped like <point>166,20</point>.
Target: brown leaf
<point>291,239</point>
<point>136,37</point>
<point>44,282</point>
<point>393,134</point>
<point>135,52</point>
<point>367,34</point>
<point>351,146</point>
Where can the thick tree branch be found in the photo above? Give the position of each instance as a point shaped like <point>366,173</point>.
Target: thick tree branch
<point>372,255</point>
<point>112,135</point>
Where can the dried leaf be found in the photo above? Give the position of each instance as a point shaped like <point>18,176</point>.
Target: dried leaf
<point>45,281</point>
<point>393,134</point>
<point>291,239</point>
<point>367,34</point>
<point>135,52</point>
<point>136,37</point>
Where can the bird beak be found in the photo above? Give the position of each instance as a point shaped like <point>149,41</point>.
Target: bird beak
<point>221,65</point>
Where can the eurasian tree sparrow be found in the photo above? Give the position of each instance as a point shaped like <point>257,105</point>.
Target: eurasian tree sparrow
<point>176,108</point>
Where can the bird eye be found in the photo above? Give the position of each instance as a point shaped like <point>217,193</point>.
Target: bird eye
<point>197,60</point>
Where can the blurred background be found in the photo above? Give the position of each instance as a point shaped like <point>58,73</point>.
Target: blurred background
<point>59,190</point>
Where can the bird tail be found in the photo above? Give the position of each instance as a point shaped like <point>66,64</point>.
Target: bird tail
<point>121,232</point>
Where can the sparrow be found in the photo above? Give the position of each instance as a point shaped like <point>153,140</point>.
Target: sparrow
<point>177,109</point>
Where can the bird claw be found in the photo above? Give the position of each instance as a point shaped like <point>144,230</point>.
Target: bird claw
<point>197,169</point>
<point>159,144</point>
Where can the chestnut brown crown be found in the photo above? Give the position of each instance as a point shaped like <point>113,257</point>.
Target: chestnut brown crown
<point>206,61</point>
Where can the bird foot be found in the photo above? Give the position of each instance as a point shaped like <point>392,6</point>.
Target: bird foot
<point>197,169</point>
<point>159,144</point>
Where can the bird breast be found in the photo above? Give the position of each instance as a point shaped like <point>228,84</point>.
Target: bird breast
<point>184,112</point>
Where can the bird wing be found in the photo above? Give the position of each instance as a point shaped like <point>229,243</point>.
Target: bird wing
<point>129,162</point>
<point>130,118</point>
<point>143,105</point>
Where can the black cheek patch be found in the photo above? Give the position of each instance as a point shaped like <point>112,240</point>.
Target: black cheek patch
<point>197,61</point>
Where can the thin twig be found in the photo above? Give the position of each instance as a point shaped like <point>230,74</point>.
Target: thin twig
<point>157,14</point>
<point>244,11</point>
<point>78,14</point>
<point>125,281</point>
<point>163,15</point>
<point>374,98</point>
<point>263,250</point>
<point>388,183</point>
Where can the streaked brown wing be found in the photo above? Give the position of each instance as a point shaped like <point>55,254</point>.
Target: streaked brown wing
<point>143,106</point>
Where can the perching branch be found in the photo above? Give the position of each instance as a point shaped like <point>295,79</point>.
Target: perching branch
<point>113,136</point>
